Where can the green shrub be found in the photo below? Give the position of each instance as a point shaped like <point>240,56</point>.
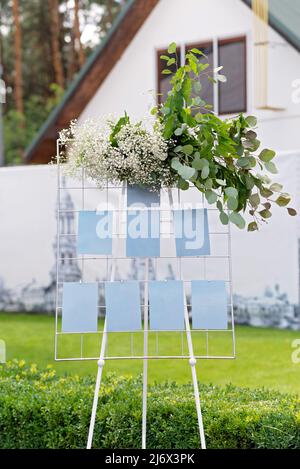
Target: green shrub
<point>40,410</point>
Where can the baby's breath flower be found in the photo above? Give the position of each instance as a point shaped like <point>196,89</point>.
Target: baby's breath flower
<point>137,156</point>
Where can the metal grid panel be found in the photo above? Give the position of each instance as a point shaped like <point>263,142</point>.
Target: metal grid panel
<point>136,340</point>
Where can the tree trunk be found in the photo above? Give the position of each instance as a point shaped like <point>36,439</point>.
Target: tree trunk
<point>78,44</point>
<point>55,30</point>
<point>18,79</point>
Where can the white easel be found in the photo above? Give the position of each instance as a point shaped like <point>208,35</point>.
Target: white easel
<point>192,357</point>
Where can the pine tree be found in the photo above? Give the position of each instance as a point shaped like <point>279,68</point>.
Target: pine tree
<point>77,39</point>
<point>18,76</point>
<point>55,31</point>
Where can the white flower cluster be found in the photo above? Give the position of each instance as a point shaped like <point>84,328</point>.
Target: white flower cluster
<point>136,155</point>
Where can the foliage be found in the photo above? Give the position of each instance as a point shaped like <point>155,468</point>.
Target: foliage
<point>39,410</point>
<point>220,157</point>
<point>37,61</point>
<point>19,130</point>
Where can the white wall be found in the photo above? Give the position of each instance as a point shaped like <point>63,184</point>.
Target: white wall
<point>132,83</point>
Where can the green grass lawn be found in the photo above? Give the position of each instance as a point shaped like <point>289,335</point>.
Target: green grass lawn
<point>263,355</point>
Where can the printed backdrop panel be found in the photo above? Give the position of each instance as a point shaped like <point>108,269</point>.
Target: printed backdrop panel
<point>265,264</point>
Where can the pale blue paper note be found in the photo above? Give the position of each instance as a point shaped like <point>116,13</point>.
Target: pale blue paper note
<point>191,232</point>
<point>143,226</point>
<point>166,302</point>
<point>209,304</point>
<point>80,307</point>
<point>94,232</point>
<point>123,306</point>
<point>140,195</point>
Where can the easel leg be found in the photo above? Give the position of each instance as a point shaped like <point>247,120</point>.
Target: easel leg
<point>95,403</point>
<point>192,362</point>
<point>99,376</point>
<point>145,362</point>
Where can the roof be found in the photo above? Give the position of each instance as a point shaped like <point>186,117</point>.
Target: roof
<point>89,79</point>
<point>284,17</point>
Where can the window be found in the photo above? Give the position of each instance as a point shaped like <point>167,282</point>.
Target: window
<point>232,94</point>
<point>230,97</point>
<point>163,81</point>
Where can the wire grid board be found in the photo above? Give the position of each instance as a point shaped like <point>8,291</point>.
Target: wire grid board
<point>208,344</point>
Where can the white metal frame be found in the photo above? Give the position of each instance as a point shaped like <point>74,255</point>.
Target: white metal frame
<point>104,355</point>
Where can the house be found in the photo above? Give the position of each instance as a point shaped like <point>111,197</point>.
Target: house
<point>262,64</point>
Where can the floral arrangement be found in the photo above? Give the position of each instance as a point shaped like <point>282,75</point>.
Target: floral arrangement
<point>187,144</point>
<point>119,151</point>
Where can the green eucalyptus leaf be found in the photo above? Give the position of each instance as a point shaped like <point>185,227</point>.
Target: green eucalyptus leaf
<point>171,61</point>
<point>203,67</point>
<point>219,205</point>
<point>224,218</point>
<point>275,187</point>
<point>188,149</point>
<point>197,51</point>
<point>175,163</point>
<point>211,196</point>
<point>283,200</point>
<point>237,219</point>
<point>221,182</point>
<point>251,121</point>
<point>205,172</point>
<point>265,213</point>
<point>197,86</point>
<point>252,161</point>
<point>232,203</point>
<point>186,172</point>
<point>251,135</point>
<point>243,162</point>
<point>172,48</point>
<point>254,200</point>
<point>231,192</point>
<point>265,192</point>
<point>183,185</point>
<point>199,163</point>
<point>270,166</point>
<point>252,226</point>
<point>178,131</point>
<point>166,72</point>
<point>266,155</point>
<point>208,183</point>
<point>178,149</point>
<point>250,182</point>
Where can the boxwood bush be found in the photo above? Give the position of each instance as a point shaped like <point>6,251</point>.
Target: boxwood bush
<point>40,410</point>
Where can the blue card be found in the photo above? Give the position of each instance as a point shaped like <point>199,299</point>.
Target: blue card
<point>143,233</point>
<point>123,306</point>
<point>143,226</point>
<point>191,232</point>
<point>141,195</point>
<point>80,307</point>
<point>209,304</point>
<point>166,302</point>
<point>94,233</point>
